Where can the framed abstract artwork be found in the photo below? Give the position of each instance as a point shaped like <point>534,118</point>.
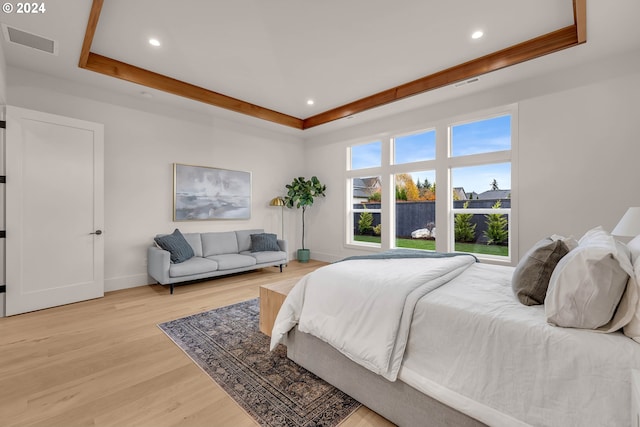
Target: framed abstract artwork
<point>206,193</point>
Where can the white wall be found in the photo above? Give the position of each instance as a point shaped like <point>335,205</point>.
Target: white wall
<point>140,149</point>
<point>577,158</point>
<point>579,147</point>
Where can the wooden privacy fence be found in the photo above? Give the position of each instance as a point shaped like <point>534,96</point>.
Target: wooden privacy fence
<point>411,216</point>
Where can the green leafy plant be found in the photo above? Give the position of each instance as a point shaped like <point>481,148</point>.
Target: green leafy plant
<point>301,194</point>
<point>464,229</point>
<point>497,232</point>
<point>377,230</point>
<point>365,223</point>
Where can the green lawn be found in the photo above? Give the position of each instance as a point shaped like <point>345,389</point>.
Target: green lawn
<point>430,245</point>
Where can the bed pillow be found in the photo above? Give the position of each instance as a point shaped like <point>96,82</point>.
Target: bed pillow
<point>532,274</point>
<point>178,247</point>
<point>630,303</point>
<point>264,242</point>
<point>588,283</point>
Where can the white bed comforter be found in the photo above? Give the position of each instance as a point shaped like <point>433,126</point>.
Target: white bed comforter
<point>470,344</point>
<point>370,321</point>
<point>474,347</point>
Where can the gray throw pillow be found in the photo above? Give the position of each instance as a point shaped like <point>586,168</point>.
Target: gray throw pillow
<point>264,242</point>
<point>533,272</point>
<point>177,246</point>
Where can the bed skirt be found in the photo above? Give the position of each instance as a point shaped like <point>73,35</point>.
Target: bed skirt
<point>396,401</point>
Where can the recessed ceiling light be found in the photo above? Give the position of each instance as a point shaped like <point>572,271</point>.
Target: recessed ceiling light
<point>310,102</point>
<point>154,42</point>
<point>477,35</point>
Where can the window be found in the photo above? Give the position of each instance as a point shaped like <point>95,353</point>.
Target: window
<point>415,147</point>
<point>366,195</point>
<point>481,199</point>
<point>471,210</point>
<point>484,136</point>
<point>365,156</point>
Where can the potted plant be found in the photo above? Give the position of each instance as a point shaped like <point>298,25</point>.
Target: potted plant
<point>300,194</point>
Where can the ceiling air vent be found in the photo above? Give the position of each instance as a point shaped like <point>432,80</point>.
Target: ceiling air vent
<point>466,82</point>
<point>31,40</point>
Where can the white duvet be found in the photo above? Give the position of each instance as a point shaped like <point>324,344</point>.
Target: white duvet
<point>470,343</point>
<point>364,307</point>
<point>476,348</point>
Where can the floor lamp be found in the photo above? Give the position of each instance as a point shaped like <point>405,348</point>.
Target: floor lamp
<point>279,201</point>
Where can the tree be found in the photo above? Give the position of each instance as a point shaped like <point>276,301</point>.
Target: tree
<point>494,185</point>
<point>300,194</point>
<point>464,229</point>
<point>497,232</point>
<point>404,181</point>
<point>365,223</point>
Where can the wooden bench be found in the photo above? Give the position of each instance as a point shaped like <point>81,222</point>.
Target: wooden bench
<point>271,298</point>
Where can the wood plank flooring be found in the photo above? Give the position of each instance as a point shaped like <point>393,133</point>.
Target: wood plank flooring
<point>105,362</point>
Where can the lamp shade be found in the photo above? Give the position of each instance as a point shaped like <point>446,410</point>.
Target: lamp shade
<point>629,225</point>
<point>276,201</point>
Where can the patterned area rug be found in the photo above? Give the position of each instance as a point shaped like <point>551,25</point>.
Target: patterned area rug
<point>227,344</point>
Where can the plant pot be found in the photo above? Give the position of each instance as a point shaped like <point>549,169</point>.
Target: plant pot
<point>304,255</point>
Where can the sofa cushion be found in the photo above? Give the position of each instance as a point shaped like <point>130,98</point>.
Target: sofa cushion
<point>244,238</point>
<point>176,245</point>
<point>263,242</point>
<point>219,243</point>
<point>195,265</point>
<point>231,261</point>
<point>270,256</point>
<point>195,242</point>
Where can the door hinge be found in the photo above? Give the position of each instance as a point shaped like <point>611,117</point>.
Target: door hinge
<point>3,234</point>
<point>3,124</point>
<point>3,179</point>
<point>3,289</point>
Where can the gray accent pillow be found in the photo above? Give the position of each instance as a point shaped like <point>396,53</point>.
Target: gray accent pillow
<point>264,242</point>
<point>177,246</point>
<point>532,274</point>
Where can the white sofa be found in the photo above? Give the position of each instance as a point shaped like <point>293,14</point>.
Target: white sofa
<point>215,254</point>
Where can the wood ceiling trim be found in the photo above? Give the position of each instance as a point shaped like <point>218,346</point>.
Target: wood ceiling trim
<point>534,48</point>
<point>111,67</point>
<point>92,24</point>
<point>548,43</point>
<point>580,19</point>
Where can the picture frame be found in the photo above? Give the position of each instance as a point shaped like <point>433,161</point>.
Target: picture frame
<point>202,193</point>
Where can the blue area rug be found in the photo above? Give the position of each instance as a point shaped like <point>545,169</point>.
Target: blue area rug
<point>227,344</point>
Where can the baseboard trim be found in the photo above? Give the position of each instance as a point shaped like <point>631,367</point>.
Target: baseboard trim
<point>126,282</point>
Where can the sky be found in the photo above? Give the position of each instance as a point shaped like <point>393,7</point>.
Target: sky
<point>470,138</point>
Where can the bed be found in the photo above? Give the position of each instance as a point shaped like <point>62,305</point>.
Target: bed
<point>444,341</point>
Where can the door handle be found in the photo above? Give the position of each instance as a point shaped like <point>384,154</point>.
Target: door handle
<point>97,232</point>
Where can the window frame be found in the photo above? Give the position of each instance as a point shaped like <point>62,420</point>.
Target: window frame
<point>442,165</point>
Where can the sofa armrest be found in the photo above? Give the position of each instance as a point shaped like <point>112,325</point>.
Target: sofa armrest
<point>158,262</point>
<point>284,247</point>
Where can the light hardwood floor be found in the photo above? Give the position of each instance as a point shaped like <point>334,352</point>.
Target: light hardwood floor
<point>105,362</point>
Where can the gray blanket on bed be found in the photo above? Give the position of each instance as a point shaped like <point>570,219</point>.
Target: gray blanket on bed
<point>407,253</point>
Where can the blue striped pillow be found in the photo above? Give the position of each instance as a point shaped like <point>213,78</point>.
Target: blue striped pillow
<point>177,246</point>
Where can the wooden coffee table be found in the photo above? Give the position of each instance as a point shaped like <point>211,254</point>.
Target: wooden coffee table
<point>271,298</point>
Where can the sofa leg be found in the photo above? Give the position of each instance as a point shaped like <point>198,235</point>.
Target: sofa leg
<point>171,287</point>
<point>280,268</point>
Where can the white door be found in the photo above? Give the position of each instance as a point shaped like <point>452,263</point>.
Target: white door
<point>54,210</point>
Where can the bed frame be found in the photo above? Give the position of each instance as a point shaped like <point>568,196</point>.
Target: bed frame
<point>396,401</point>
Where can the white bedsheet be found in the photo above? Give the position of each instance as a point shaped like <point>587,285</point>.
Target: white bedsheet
<point>476,348</point>
<point>369,320</point>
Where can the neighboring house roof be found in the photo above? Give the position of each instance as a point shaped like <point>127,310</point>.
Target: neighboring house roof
<point>459,192</point>
<point>495,194</point>
<point>364,187</point>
